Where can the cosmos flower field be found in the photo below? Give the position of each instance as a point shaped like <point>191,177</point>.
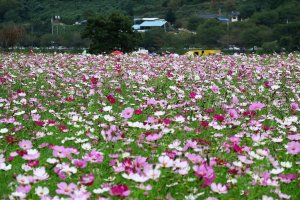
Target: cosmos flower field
<point>143,127</point>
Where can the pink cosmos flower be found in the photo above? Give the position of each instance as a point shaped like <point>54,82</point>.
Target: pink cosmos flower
<point>87,179</point>
<point>287,178</point>
<point>127,113</point>
<point>193,95</point>
<point>154,137</point>
<point>207,173</point>
<point>33,163</point>
<point>81,194</point>
<point>234,140</point>
<point>294,106</point>
<point>94,157</point>
<point>196,159</point>
<point>120,190</point>
<point>113,134</point>
<point>32,154</point>
<point>293,147</point>
<point>233,113</point>
<point>256,106</point>
<point>25,144</point>
<point>219,118</point>
<point>80,163</point>
<point>215,89</point>
<point>111,99</point>
<point>24,188</point>
<point>61,152</point>
<point>221,189</point>
<point>235,100</point>
<point>151,101</point>
<point>64,188</point>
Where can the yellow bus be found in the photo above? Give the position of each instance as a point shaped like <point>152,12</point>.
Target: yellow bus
<point>199,52</point>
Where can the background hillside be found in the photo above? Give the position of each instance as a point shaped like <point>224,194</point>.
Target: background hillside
<point>34,16</point>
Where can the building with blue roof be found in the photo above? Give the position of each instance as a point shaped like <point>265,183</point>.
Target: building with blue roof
<point>144,24</point>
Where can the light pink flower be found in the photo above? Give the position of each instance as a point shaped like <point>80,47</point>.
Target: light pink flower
<point>256,106</point>
<point>64,188</point>
<point>127,113</point>
<point>293,147</point>
<point>165,161</point>
<point>32,154</point>
<point>25,144</point>
<point>221,189</point>
<point>233,113</point>
<point>215,89</point>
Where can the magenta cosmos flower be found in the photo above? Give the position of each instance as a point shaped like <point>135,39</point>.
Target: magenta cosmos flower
<point>87,179</point>
<point>127,113</point>
<point>120,190</point>
<point>294,106</point>
<point>293,147</point>
<point>256,106</point>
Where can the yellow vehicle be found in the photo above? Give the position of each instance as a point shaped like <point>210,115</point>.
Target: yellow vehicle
<point>200,52</point>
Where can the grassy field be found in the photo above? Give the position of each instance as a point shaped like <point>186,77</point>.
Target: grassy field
<point>143,127</point>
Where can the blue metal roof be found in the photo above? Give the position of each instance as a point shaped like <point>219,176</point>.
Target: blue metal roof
<point>223,19</point>
<point>155,23</point>
<point>136,27</point>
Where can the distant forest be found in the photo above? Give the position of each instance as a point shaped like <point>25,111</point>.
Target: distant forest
<point>273,25</point>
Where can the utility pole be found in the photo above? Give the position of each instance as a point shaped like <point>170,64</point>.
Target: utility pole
<point>212,4</point>
<point>52,25</point>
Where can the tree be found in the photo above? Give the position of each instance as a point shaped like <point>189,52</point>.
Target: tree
<point>267,18</point>
<point>7,5</point>
<point>154,39</point>
<point>110,33</point>
<point>170,16</point>
<point>11,35</point>
<point>193,22</point>
<point>255,36</point>
<point>209,33</point>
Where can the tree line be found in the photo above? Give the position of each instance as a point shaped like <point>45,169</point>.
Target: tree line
<point>269,25</point>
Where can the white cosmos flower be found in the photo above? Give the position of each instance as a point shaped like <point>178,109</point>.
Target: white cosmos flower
<point>179,119</point>
<point>175,144</point>
<point>52,160</point>
<point>107,108</point>
<point>275,87</point>
<point>3,130</point>
<point>159,113</point>
<point>237,164</point>
<point>277,171</point>
<point>69,170</point>
<point>286,164</point>
<point>109,118</point>
<point>40,173</point>
<point>153,173</point>
<point>41,191</point>
<point>5,167</point>
<point>22,179</point>
<point>20,195</point>
<point>86,146</point>
<point>264,197</point>
<point>26,167</point>
<point>100,190</point>
<point>165,161</point>
<point>136,177</point>
<point>19,113</point>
